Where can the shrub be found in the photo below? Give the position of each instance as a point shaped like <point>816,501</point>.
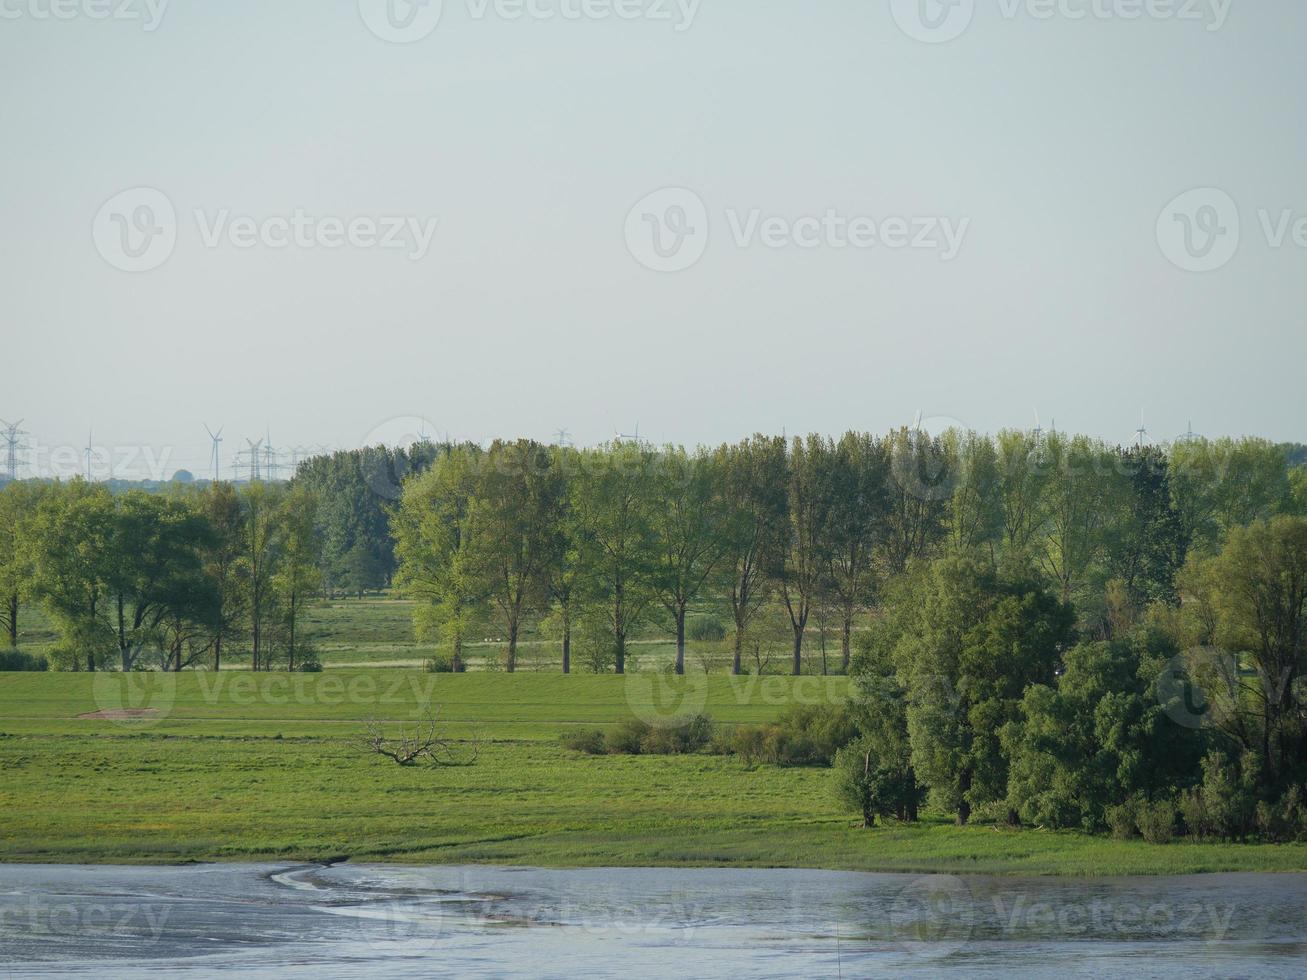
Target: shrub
<point>17,660</point>
<point>810,735</point>
<point>1121,820</point>
<point>705,629</point>
<point>439,664</point>
<point>690,736</point>
<point>590,742</point>
<point>873,784</point>
<point>1156,821</point>
<point>749,742</point>
<point>626,738</point>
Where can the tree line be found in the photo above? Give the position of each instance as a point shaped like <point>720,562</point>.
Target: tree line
<point>170,580</point>
<point>608,543</point>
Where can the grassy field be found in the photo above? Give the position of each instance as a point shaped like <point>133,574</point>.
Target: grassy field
<point>244,766</point>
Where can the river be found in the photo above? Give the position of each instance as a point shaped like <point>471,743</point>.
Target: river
<point>347,920</point>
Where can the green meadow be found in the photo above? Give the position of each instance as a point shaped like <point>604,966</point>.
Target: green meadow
<point>244,766</point>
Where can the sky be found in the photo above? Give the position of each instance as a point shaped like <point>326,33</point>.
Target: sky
<point>336,222</point>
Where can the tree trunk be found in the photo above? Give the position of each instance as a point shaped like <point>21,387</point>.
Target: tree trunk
<point>680,639</point>
<point>739,644</point>
<point>567,643</point>
<point>217,652</point>
<point>620,637</point>
<point>291,639</point>
<point>798,650</point>
<point>456,662</point>
<point>846,641</point>
<point>512,647</point>
<point>964,805</point>
<point>13,620</point>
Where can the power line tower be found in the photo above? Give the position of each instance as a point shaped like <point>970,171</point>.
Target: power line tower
<point>12,435</point>
<point>214,456</point>
<point>271,465</point>
<point>254,459</point>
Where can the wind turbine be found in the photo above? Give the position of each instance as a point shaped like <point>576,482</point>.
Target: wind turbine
<point>214,456</point>
<point>90,452</point>
<point>1141,433</point>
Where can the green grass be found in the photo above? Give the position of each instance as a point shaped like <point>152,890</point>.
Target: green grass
<point>210,779</point>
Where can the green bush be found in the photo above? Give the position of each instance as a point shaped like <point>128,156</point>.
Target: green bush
<point>590,742</point>
<point>439,664</point>
<point>627,738</point>
<point>1121,820</point>
<point>690,736</point>
<point>17,660</point>
<point>705,629</point>
<point>1156,821</point>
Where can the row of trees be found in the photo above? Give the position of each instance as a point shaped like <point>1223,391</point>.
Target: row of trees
<point>631,535</point>
<point>162,580</point>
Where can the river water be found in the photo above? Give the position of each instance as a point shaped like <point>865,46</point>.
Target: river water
<point>262,920</point>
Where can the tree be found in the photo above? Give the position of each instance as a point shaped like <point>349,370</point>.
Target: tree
<point>157,572</point>
<point>801,563</point>
<point>1022,470</point>
<point>688,526</point>
<point>1149,546</point>
<point>1223,484</point>
<point>220,505</point>
<point>1098,736</point>
<point>72,556</point>
<point>298,573</point>
<point>858,509</point>
<point>260,544</point>
<point>753,475</point>
<point>1085,495</point>
<point>18,504</point>
<point>966,645</point>
<point>871,783</point>
<point>612,504</point>
<point>975,514</point>
<point>514,512</point>
<point>432,543</point>
<point>920,488</point>
<point>1252,599</point>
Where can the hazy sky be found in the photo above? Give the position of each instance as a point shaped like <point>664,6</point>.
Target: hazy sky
<point>1033,160</point>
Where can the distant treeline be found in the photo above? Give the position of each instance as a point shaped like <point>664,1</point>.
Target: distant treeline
<point>599,543</point>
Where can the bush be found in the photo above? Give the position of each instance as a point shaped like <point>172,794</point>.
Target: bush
<point>439,664</point>
<point>1156,821</point>
<point>873,784</point>
<point>1121,820</point>
<point>627,738</point>
<point>705,629</point>
<point>690,736</point>
<point>749,742</point>
<point>590,742</point>
<point>17,660</point>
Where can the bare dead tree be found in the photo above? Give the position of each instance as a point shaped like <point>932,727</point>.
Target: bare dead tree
<point>419,743</point>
